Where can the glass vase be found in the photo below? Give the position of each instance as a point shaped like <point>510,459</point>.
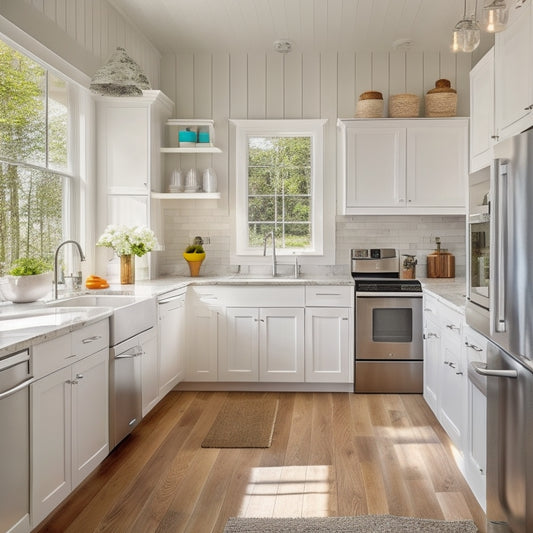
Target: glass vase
<point>127,269</point>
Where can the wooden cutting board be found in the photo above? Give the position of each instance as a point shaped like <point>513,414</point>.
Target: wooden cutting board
<point>441,265</point>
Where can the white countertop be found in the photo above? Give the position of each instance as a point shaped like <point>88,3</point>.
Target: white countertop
<point>451,291</point>
<point>40,322</point>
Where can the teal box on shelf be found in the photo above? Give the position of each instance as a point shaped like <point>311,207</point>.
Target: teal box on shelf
<point>187,136</point>
<point>203,136</point>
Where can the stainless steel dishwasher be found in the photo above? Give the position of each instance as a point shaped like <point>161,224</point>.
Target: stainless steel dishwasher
<point>125,383</point>
<point>15,379</point>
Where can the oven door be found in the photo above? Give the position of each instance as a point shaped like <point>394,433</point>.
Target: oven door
<point>388,326</point>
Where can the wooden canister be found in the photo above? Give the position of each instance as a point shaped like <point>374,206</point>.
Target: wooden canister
<point>441,265</point>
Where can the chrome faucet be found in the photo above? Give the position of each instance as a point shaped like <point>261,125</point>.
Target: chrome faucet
<point>274,263</point>
<point>82,258</point>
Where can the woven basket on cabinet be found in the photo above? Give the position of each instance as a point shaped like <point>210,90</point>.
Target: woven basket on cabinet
<point>404,105</point>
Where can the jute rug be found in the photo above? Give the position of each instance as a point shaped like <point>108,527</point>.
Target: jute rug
<point>243,423</point>
<point>348,524</point>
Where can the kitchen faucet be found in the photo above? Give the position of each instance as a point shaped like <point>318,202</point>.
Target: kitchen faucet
<point>82,258</point>
<point>274,263</point>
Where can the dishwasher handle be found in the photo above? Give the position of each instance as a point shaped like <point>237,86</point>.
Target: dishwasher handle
<point>481,368</point>
<point>170,299</point>
<point>131,353</point>
<point>18,387</point>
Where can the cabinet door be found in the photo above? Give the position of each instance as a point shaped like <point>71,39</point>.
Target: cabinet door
<point>239,356</point>
<point>375,167</point>
<point>170,344</point>
<point>327,344</point>
<point>202,339</point>
<point>281,344</point>
<point>452,394</point>
<point>51,422</point>
<point>482,112</point>
<point>432,361</point>
<point>513,73</point>
<point>437,165</point>
<point>90,409</point>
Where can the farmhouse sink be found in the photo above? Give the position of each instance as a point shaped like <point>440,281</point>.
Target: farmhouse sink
<point>40,319</point>
<point>131,314</point>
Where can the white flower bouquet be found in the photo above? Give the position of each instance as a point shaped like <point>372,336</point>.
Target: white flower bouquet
<point>136,240</point>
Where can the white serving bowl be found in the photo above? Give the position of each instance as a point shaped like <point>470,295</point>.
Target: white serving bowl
<point>24,289</point>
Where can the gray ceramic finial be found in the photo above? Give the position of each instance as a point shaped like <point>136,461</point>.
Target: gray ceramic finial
<point>120,76</point>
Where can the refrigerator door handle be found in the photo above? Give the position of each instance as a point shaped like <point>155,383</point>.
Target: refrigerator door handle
<point>499,243</point>
<point>481,368</point>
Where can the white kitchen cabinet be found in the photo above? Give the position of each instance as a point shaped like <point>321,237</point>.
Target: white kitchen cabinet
<point>69,415</point>
<point>281,344</point>
<point>453,386</point>
<point>514,72</point>
<point>203,308</point>
<point>415,166</point>
<point>328,338</point>
<point>265,344</point>
<point>171,327</point>
<point>129,133</point>
<point>239,354</point>
<point>475,346</point>
<point>482,124</point>
<point>432,353</point>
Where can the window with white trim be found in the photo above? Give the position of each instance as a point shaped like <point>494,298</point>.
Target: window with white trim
<point>279,181</point>
<point>37,179</point>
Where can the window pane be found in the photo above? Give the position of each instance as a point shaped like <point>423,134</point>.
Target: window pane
<point>30,214</point>
<point>57,123</point>
<point>279,167</point>
<point>22,108</point>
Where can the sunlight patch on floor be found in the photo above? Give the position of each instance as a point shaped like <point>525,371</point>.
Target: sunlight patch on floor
<point>287,491</point>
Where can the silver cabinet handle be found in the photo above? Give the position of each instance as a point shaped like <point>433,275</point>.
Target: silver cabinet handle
<point>432,335</point>
<point>79,376</point>
<point>344,318</point>
<point>452,327</point>
<point>481,368</point>
<point>327,294</point>
<point>88,340</point>
<point>473,346</point>
<point>72,382</point>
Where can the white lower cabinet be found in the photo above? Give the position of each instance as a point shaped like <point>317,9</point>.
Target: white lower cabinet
<point>262,344</point>
<point>328,337</point>
<point>69,418</point>
<point>476,438</point>
<point>456,394</point>
<point>171,323</point>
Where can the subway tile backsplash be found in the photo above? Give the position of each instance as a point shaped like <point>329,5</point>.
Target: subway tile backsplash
<point>413,234</point>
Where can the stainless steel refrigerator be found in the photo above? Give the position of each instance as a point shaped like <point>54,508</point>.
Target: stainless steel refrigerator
<point>510,353</point>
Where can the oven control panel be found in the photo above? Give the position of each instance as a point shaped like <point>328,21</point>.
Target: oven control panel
<point>374,253</point>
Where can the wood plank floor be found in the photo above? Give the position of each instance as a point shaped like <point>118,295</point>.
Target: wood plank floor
<point>331,455</point>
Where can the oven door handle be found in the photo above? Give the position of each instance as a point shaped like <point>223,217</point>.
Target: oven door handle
<point>365,294</point>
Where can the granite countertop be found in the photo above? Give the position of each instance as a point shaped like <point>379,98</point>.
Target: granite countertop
<point>22,329</point>
<point>451,291</point>
<point>24,325</point>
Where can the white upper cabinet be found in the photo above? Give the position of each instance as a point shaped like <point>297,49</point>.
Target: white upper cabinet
<point>416,166</point>
<point>513,72</point>
<point>482,125</point>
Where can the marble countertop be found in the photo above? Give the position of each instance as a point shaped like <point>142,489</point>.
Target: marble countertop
<point>451,291</point>
<point>24,325</point>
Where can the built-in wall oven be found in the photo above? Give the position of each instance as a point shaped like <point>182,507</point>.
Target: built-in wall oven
<point>388,324</point>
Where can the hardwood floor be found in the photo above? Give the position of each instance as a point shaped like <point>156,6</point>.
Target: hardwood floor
<point>331,454</point>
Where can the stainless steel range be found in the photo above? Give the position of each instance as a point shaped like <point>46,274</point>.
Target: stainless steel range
<point>388,324</point>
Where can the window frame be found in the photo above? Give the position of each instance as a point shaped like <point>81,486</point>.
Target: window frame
<point>243,130</point>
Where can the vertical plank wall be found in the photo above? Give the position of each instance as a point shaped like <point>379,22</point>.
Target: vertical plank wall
<point>326,85</point>
<point>83,32</point>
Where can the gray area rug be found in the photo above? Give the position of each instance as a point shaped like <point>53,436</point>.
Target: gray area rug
<point>349,524</point>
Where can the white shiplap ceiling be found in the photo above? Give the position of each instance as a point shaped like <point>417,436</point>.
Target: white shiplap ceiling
<point>312,25</point>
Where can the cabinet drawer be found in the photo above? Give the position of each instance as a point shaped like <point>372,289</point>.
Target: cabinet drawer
<point>266,296</point>
<point>51,355</point>
<point>90,339</point>
<point>329,296</point>
<point>452,321</point>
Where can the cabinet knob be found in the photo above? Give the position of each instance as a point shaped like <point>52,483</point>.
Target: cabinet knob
<point>495,137</point>
<point>79,376</point>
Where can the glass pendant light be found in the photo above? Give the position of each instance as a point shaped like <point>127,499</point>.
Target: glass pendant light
<point>495,16</point>
<point>466,34</point>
